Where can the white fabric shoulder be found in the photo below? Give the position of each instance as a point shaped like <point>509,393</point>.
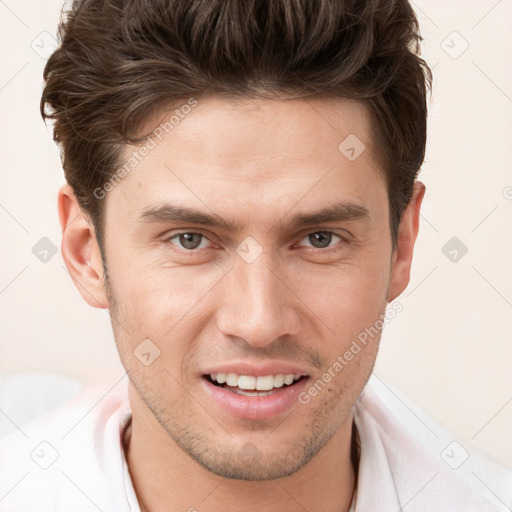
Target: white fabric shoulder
<point>70,459</point>
<point>409,461</point>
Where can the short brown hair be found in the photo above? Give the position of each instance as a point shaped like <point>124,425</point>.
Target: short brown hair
<point>120,61</point>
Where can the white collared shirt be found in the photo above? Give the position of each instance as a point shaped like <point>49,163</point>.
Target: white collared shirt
<point>72,460</point>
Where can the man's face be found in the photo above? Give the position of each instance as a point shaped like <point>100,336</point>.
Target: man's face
<point>269,298</point>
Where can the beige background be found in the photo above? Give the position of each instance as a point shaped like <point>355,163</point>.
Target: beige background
<point>449,349</point>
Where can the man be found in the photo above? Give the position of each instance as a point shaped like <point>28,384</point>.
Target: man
<point>242,197</point>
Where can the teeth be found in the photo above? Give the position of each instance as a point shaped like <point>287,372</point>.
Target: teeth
<point>278,380</point>
<point>232,379</point>
<point>263,383</point>
<point>247,382</point>
<point>250,382</point>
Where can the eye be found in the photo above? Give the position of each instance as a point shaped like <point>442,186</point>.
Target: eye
<point>188,240</point>
<point>321,239</point>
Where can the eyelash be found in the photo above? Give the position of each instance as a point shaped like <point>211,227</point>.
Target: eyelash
<point>192,251</point>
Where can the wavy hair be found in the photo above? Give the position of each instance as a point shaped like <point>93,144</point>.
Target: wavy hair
<point>120,61</point>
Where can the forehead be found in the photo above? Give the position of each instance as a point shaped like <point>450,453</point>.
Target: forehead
<point>244,150</point>
<point>236,128</point>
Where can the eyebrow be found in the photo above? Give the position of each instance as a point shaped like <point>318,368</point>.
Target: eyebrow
<point>169,213</point>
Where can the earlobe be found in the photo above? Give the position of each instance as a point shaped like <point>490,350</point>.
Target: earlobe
<point>407,233</point>
<point>80,249</point>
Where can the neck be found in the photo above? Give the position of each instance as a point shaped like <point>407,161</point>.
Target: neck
<point>165,478</point>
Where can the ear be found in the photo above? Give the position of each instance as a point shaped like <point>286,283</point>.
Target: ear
<point>80,249</point>
<point>407,233</point>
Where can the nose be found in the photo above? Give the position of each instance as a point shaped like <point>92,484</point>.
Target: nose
<point>258,304</point>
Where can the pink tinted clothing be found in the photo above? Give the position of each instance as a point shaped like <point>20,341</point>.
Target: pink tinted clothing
<point>72,460</point>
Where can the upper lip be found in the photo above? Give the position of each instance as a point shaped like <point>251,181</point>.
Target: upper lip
<point>257,369</point>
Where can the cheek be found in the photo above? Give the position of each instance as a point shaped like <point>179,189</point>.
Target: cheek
<point>348,299</point>
<point>156,301</point>
<point>153,316</point>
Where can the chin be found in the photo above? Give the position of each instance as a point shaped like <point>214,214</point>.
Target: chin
<point>252,467</point>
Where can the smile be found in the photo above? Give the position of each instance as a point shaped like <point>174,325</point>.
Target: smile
<point>252,397</point>
<point>250,385</point>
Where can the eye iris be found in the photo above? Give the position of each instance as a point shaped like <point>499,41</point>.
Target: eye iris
<point>186,239</point>
<point>321,237</point>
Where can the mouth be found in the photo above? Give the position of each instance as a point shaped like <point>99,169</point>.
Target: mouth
<point>251,397</point>
<point>251,385</point>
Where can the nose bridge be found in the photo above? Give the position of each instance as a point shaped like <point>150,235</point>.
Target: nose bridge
<point>258,305</point>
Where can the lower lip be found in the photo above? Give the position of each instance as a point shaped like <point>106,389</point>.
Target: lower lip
<point>255,407</point>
